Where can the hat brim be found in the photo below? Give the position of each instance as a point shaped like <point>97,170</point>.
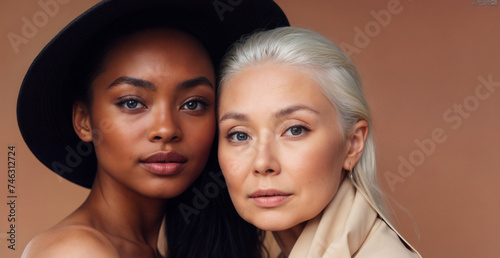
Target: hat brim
<point>44,107</point>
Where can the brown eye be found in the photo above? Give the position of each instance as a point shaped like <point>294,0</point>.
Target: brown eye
<point>196,105</point>
<point>191,105</point>
<point>131,104</point>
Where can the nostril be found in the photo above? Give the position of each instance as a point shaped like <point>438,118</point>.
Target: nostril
<point>268,171</point>
<point>159,138</point>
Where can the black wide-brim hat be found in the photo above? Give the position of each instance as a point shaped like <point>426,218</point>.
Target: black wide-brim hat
<point>44,106</point>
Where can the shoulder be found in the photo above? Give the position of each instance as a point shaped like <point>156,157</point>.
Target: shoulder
<point>70,241</point>
<point>382,241</point>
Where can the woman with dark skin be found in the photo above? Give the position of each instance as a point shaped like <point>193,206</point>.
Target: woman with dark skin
<point>141,92</point>
<point>150,151</point>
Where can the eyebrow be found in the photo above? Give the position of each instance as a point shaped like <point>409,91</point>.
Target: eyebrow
<point>199,81</point>
<point>279,114</point>
<point>292,109</point>
<point>234,116</point>
<point>191,83</point>
<point>134,82</point>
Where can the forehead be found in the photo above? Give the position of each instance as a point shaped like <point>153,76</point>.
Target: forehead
<point>156,55</point>
<point>174,42</point>
<point>271,87</point>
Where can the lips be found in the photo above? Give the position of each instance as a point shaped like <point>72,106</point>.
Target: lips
<point>164,163</point>
<point>269,198</point>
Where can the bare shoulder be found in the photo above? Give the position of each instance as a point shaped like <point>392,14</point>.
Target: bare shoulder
<point>70,241</point>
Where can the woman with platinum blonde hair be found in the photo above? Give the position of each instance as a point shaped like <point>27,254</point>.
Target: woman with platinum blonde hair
<point>122,101</point>
<point>296,149</point>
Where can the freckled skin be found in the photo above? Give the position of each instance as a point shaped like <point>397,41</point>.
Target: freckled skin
<point>302,152</point>
<point>125,208</point>
<point>159,123</point>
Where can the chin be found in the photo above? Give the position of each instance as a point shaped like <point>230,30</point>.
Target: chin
<point>166,190</point>
<point>273,227</point>
<point>272,222</point>
<point>162,194</point>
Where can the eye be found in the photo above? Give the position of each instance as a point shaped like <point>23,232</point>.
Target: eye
<point>130,104</point>
<point>195,105</point>
<point>296,131</point>
<point>238,137</point>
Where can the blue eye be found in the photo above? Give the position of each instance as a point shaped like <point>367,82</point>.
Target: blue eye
<point>296,131</point>
<point>238,137</point>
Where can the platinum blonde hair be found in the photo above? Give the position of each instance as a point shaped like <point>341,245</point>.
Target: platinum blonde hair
<point>325,62</point>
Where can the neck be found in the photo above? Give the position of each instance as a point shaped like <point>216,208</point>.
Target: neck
<point>125,215</point>
<point>286,239</point>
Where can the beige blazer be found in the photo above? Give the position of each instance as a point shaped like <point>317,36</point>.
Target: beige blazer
<point>350,227</point>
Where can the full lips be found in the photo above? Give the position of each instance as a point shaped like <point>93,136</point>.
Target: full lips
<point>164,163</point>
<point>164,169</point>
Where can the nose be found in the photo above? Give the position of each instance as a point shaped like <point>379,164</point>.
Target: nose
<point>266,161</point>
<point>165,126</point>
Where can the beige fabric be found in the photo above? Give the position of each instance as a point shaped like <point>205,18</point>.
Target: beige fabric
<point>349,227</point>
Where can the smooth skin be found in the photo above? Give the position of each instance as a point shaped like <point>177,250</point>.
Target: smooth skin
<point>279,134</point>
<point>155,95</point>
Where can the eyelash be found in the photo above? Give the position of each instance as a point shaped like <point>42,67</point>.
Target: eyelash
<point>304,128</point>
<point>199,101</point>
<point>122,102</point>
<point>230,135</point>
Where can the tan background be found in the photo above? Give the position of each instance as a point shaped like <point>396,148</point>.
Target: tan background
<point>416,69</point>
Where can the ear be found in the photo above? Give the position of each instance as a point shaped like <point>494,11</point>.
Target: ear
<point>81,121</point>
<point>355,144</point>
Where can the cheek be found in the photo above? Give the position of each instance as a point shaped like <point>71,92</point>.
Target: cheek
<point>318,167</point>
<point>112,149</point>
<point>234,167</point>
<point>235,170</point>
<point>109,134</point>
<point>199,135</point>
<point>227,163</point>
